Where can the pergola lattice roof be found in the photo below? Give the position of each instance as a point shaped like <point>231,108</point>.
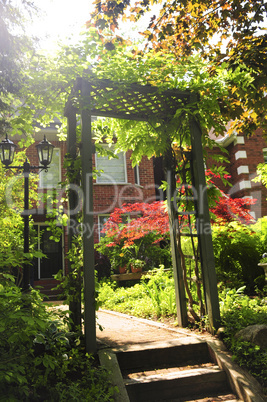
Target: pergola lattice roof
<point>131,101</point>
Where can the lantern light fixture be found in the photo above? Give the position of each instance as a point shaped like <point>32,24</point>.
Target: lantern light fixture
<point>45,153</point>
<point>7,151</point>
<point>44,150</point>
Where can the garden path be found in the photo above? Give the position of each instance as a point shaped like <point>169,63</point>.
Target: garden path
<point>122,329</point>
<point>125,332</point>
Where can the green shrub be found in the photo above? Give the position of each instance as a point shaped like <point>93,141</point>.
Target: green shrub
<point>161,291</point>
<point>40,359</point>
<point>237,251</point>
<point>260,227</point>
<point>130,300</point>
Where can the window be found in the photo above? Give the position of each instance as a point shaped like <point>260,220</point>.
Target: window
<point>265,155</point>
<point>51,178</point>
<point>102,219</point>
<point>114,170</point>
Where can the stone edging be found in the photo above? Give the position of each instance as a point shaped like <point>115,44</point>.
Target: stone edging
<point>242,383</point>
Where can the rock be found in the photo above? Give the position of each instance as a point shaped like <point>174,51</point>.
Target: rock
<point>220,332</point>
<point>254,333</point>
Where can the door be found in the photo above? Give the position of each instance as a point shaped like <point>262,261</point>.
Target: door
<point>46,268</point>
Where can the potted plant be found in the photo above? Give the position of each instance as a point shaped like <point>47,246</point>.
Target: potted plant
<point>135,258</point>
<point>136,265</point>
<point>120,263</point>
<point>115,254</point>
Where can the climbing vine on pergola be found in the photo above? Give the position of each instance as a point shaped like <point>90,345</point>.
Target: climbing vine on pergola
<point>95,97</point>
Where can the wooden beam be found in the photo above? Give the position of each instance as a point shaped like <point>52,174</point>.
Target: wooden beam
<point>203,225</point>
<point>88,222</point>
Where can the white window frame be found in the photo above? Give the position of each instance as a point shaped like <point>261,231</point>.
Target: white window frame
<point>114,180</point>
<point>265,154</point>
<point>42,173</point>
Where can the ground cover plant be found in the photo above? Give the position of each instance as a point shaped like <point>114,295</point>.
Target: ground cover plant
<point>150,298</point>
<point>40,359</point>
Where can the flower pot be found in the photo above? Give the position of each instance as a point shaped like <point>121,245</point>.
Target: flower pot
<point>136,269</point>
<point>123,270</point>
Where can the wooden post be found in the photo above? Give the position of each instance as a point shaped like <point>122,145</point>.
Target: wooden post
<point>75,303</point>
<point>88,221</point>
<point>203,226</point>
<point>180,297</point>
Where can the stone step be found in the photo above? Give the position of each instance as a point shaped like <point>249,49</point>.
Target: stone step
<point>128,374</point>
<point>177,370</point>
<point>156,355</point>
<point>169,369</point>
<point>191,383</point>
<point>47,289</point>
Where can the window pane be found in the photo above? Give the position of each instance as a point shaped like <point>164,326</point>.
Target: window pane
<point>102,219</point>
<point>51,178</point>
<point>114,169</point>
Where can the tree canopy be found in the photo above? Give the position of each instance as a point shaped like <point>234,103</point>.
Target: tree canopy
<point>228,33</point>
<point>15,48</point>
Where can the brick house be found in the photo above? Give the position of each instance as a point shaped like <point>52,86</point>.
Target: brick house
<point>120,183</point>
<point>244,154</point>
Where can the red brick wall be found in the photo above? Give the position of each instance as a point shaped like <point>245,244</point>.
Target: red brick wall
<point>253,146</point>
<point>107,197</point>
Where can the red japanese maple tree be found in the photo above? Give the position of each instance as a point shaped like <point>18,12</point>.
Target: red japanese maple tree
<point>146,218</point>
<point>227,209</point>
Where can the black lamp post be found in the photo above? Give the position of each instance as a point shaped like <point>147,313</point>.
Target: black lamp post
<point>45,153</point>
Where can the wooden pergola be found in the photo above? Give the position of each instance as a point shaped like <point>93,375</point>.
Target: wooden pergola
<point>95,97</point>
